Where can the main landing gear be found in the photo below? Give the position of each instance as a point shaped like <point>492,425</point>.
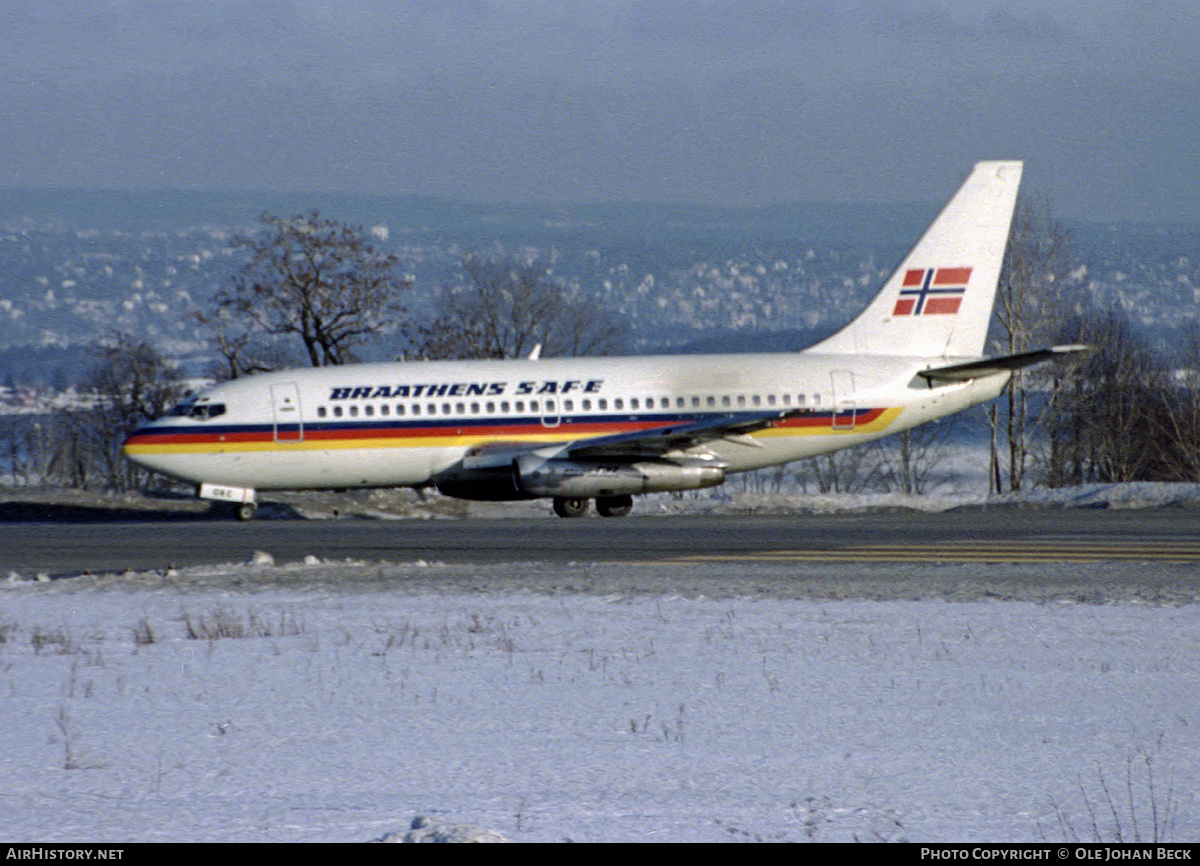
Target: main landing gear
<point>606,506</point>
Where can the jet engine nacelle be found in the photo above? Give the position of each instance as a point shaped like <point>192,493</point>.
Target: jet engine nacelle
<point>537,476</point>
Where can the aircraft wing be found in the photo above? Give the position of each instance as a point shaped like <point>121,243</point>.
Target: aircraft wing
<point>637,444</point>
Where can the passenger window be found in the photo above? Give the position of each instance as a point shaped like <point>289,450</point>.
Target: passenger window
<point>337,411</point>
<point>369,410</point>
<point>321,412</point>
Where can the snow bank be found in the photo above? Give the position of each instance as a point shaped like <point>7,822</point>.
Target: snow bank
<point>552,717</point>
<point>404,504</point>
<point>423,829</point>
<point>1125,495</point>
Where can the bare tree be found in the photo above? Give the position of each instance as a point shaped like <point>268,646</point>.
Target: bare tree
<point>134,383</point>
<point>910,459</point>
<point>130,384</point>
<point>508,308</point>
<point>1035,296</point>
<point>851,470</point>
<point>1112,417</point>
<point>1183,406</point>
<point>314,279</point>
<point>243,349</point>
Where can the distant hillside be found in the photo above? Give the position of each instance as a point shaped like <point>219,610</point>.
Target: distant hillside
<point>418,217</point>
<point>78,264</point>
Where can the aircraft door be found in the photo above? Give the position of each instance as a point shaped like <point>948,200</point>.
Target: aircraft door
<point>845,407</point>
<point>285,411</point>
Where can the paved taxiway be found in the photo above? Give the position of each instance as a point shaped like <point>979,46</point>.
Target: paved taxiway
<point>965,535</point>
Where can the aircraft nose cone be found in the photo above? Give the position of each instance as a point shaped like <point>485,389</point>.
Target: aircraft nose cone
<point>134,437</point>
<point>136,444</point>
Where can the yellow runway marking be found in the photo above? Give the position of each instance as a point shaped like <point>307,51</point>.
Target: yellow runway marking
<point>1022,551</point>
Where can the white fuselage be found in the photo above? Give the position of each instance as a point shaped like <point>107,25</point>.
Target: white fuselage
<point>406,424</point>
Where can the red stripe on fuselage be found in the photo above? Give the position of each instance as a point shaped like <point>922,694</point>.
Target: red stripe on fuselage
<point>465,427</point>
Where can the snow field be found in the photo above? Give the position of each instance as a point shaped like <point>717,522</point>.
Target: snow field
<point>327,715</point>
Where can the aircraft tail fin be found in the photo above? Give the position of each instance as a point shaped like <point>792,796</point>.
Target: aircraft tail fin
<point>939,301</point>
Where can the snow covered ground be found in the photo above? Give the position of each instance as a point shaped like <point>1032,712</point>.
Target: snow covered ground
<point>218,705</point>
<point>136,711</point>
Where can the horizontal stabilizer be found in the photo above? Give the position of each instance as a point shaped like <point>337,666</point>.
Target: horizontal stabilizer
<point>1002,364</point>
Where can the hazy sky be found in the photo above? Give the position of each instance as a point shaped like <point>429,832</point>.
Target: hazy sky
<point>720,101</point>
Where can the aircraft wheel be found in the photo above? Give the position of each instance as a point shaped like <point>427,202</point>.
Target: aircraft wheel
<point>614,506</point>
<point>246,511</point>
<point>570,506</point>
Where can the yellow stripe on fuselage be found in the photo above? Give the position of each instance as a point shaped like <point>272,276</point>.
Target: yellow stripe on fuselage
<point>879,423</point>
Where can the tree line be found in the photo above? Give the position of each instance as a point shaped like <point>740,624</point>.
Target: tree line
<point>310,291</point>
<point>1123,411</point>
<point>315,291</point>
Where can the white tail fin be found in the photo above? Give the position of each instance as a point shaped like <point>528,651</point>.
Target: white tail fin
<point>939,301</point>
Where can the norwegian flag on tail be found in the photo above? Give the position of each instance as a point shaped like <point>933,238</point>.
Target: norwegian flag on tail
<point>929,291</point>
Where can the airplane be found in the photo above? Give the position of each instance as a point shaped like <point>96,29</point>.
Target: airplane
<point>610,428</point>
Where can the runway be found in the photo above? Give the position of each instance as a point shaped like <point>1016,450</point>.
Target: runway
<point>1046,550</point>
<point>975,535</point>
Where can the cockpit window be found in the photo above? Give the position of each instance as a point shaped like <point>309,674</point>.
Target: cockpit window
<point>198,411</point>
<point>204,411</point>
